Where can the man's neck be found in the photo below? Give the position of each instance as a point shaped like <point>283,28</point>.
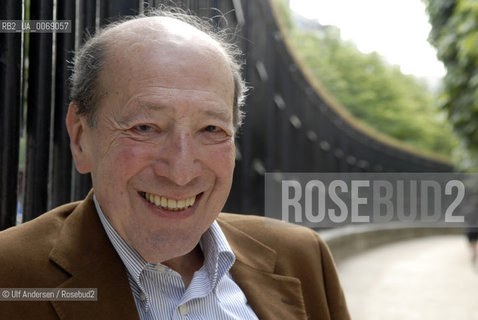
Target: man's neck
<point>188,264</point>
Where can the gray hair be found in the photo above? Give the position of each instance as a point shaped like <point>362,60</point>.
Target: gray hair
<point>91,57</point>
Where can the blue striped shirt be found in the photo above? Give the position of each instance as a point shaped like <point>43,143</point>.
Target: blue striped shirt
<point>159,291</point>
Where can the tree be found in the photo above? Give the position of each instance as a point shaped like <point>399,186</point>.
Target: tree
<point>455,35</point>
<point>377,93</point>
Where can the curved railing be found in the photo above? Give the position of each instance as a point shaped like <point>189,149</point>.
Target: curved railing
<point>291,124</point>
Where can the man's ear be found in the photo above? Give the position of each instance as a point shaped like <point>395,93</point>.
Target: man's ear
<point>79,131</point>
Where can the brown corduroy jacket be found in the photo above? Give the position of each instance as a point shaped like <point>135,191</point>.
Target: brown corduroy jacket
<point>285,272</point>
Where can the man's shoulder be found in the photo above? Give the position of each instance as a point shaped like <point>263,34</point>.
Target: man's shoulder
<point>28,245</point>
<point>270,231</point>
<point>41,227</point>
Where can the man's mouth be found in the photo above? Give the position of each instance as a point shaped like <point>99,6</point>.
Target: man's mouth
<point>168,204</point>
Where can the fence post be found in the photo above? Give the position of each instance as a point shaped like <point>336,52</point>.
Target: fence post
<point>38,114</point>
<point>60,186</point>
<point>10,110</point>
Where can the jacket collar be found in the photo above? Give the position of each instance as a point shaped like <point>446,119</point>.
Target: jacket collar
<point>84,251</point>
<point>270,295</point>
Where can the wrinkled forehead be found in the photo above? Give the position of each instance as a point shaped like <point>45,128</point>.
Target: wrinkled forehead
<point>163,37</point>
<point>161,51</point>
<point>157,29</point>
<point>163,45</point>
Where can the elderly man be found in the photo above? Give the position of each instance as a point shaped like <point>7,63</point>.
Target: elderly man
<point>154,111</point>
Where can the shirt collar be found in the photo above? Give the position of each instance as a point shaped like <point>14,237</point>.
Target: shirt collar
<point>131,258</point>
<point>218,255</point>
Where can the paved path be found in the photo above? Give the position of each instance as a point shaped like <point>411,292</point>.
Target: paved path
<point>429,278</point>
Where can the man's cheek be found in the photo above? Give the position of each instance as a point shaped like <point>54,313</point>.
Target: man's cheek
<point>132,155</point>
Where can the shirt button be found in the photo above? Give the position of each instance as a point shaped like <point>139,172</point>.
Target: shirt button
<point>183,309</point>
<point>142,297</point>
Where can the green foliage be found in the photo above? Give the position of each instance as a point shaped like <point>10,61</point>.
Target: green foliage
<point>455,35</point>
<point>284,14</point>
<point>375,92</point>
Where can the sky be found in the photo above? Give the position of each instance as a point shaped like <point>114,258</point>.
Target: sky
<point>396,29</point>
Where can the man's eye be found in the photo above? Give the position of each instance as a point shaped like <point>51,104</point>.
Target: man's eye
<point>212,129</point>
<point>143,128</point>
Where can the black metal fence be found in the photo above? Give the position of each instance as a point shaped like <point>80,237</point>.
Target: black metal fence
<point>289,124</point>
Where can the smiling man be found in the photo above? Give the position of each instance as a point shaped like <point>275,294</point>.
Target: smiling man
<point>154,112</point>
<point>161,147</point>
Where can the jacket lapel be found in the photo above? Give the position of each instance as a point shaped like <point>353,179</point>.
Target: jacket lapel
<point>271,296</point>
<point>84,251</point>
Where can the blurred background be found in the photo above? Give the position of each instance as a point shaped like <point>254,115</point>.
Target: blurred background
<point>337,86</point>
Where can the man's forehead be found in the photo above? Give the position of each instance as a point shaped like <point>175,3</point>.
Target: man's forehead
<point>157,30</point>
<point>161,40</point>
<point>161,52</point>
<point>159,106</point>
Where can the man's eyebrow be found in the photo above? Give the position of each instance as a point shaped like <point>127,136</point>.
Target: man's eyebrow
<point>220,114</point>
<point>139,108</point>
<point>152,106</point>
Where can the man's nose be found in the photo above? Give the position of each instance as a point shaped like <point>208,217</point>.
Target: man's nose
<point>178,159</point>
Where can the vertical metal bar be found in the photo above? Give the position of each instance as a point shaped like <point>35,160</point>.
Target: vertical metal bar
<point>87,19</point>
<point>245,181</point>
<point>141,7</point>
<point>113,10</point>
<point>85,25</point>
<point>38,114</point>
<point>10,93</point>
<point>103,14</point>
<point>62,160</point>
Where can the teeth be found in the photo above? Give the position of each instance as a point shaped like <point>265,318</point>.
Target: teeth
<point>157,200</point>
<point>170,204</point>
